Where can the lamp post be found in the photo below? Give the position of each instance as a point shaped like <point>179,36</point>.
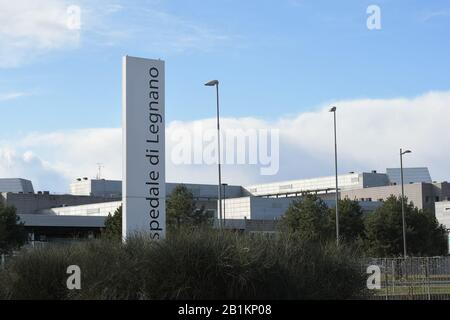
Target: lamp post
<point>215,83</point>
<point>224,199</point>
<point>403,200</point>
<point>333,109</point>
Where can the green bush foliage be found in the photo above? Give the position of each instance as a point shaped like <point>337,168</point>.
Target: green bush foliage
<point>194,263</point>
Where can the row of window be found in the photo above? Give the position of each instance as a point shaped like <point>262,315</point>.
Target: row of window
<point>427,199</point>
<point>436,199</point>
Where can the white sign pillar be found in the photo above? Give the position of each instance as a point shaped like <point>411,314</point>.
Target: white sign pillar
<point>143,187</point>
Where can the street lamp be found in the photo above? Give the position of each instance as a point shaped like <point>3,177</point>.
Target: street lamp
<point>224,199</point>
<point>333,109</point>
<point>215,83</point>
<point>403,199</point>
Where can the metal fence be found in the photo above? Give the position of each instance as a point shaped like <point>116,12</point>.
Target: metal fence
<point>412,278</point>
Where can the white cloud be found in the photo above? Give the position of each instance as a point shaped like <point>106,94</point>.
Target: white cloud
<point>370,133</point>
<point>30,166</point>
<point>12,95</point>
<point>30,28</point>
<point>436,14</point>
<point>76,153</point>
<point>176,34</point>
<point>163,31</point>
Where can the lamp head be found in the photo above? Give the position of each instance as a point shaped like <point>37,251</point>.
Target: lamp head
<point>333,109</point>
<point>212,83</point>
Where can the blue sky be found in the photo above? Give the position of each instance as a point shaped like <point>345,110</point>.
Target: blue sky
<point>271,57</point>
<point>274,59</point>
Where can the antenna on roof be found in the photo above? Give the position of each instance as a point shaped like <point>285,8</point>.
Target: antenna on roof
<point>99,172</point>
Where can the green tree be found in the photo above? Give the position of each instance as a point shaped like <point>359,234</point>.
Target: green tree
<point>181,209</point>
<point>113,225</point>
<point>351,220</point>
<point>12,232</point>
<point>384,231</point>
<point>307,217</point>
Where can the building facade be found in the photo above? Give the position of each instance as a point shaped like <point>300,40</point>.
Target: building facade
<point>423,195</point>
<point>256,207</point>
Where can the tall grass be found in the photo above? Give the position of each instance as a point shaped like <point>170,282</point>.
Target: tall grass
<point>189,264</point>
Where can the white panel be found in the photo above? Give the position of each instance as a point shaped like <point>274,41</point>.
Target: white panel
<point>143,188</point>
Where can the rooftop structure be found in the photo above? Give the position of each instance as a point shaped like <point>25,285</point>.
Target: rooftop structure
<point>16,185</point>
<point>410,175</point>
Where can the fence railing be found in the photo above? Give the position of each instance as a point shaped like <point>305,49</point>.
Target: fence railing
<point>412,278</point>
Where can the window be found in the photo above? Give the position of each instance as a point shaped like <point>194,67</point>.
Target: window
<point>427,199</point>
<point>437,199</point>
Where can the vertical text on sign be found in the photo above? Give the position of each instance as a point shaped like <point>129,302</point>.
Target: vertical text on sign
<point>144,143</point>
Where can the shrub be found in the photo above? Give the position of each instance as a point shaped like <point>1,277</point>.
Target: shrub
<point>190,264</point>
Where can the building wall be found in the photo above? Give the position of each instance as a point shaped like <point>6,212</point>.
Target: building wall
<point>423,195</point>
<point>113,188</point>
<point>346,182</point>
<point>52,221</point>
<point>441,191</point>
<point>106,188</point>
<point>31,203</point>
<point>237,208</point>
<point>443,213</point>
<point>412,191</point>
<point>97,188</point>
<point>206,191</point>
<point>95,209</point>
<point>259,208</point>
<point>373,179</point>
<point>269,209</point>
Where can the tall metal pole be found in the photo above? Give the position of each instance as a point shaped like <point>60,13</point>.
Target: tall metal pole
<point>403,204</point>
<point>224,199</point>
<point>219,187</point>
<point>336,174</point>
<point>333,109</point>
